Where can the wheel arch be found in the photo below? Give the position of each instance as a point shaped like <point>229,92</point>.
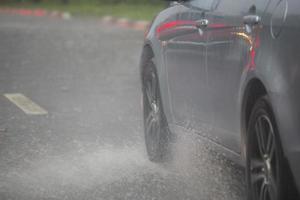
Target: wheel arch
<point>253,91</point>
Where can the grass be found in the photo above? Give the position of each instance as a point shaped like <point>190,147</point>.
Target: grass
<point>131,11</point>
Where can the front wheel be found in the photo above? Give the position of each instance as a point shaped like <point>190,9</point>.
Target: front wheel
<point>155,126</point>
<point>266,171</point>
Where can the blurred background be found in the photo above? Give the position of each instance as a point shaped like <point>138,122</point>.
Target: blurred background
<point>134,9</point>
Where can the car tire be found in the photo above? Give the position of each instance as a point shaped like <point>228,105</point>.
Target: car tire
<point>266,169</point>
<point>156,130</point>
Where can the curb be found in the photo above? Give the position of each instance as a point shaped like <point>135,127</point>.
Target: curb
<point>126,23</point>
<point>36,13</point>
<point>139,25</point>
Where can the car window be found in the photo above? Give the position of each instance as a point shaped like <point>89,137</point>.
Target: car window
<point>232,7</point>
<point>204,4</point>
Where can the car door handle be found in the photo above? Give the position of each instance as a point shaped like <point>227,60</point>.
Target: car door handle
<point>202,23</point>
<point>251,19</point>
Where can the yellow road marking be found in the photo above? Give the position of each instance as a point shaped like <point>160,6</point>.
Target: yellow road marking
<point>25,104</point>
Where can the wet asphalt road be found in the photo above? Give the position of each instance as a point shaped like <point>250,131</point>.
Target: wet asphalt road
<point>90,145</point>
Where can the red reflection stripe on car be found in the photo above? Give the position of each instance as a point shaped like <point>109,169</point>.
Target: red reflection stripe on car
<point>256,44</point>
<point>173,24</point>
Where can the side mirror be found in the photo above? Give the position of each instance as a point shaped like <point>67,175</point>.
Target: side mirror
<point>174,2</point>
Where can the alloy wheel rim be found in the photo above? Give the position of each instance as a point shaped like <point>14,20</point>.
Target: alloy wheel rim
<point>152,108</point>
<point>264,161</point>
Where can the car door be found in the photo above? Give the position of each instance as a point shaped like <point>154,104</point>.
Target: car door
<point>185,58</point>
<point>231,49</point>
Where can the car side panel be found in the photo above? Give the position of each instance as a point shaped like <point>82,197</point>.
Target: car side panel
<point>284,81</point>
<point>277,66</point>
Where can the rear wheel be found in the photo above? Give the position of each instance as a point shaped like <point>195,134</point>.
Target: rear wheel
<point>155,126</point>
<point>265,165</point>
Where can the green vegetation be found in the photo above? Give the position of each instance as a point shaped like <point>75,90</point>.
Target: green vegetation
<point>133,9</point>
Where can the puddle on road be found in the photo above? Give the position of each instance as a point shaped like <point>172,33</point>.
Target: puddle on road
<point>207,174</point>
<point>125,173</point>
